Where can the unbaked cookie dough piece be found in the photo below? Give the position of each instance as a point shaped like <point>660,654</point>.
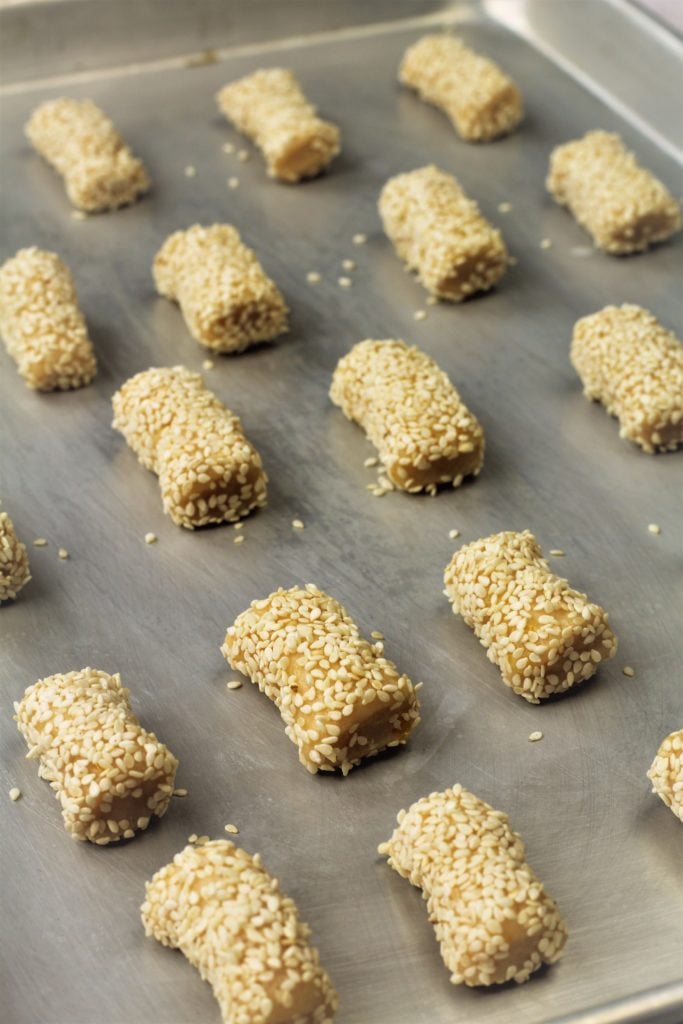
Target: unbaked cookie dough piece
<point>227,299</point>
<point>82,144</point>
<point>622,205</point>
<point>208,471</point>
<point>221,908</point>
<point>543,636</point>
<point>423,431</point>
<point>479,98</point>
<point>269,107</point>
<point>14,567</point>
<point>341,701</point>
<point>628,361</point>
<point>440,233</point>
<point>109,774</point>
<point>493,919</point>
<point>40,321</point>
<point>666,773</point>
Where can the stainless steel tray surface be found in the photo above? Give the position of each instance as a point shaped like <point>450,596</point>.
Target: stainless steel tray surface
<point>607,849</point>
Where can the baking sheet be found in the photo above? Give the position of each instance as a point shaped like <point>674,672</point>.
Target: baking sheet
<point>608,850</point>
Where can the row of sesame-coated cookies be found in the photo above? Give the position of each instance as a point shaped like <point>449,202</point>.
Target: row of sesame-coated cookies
<point>341,700</point>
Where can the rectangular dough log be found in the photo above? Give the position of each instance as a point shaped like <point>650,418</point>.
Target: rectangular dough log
<point>628,361</point>
<point>270,108</point>
<point>481,101</point>
<point>341,701</point>
<point>41,323</point>
<point>440,233</point>
<point>109,774</point>
<point>221,908</point>
<point>544,636</point>
<point>208,471</point>
<point>493,919</point>
<point>423,431</point>
<point>622,205</point>
<point>82,144</point>
<point>227,299</point>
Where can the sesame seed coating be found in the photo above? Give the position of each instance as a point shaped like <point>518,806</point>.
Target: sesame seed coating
<point>628,361</point>
<point>424,433</point>
<point>481,100</point>
<point>82,144</point>
<point>543,636</point>
<point>42,326</point>
<point>227,299</point>
<point>14,568</point>
<point>666,773</point>
<point>208,471</point>
<point>439,232</point>
<point>270,108</point>
<point>493,919</point>
<point>341,701</point>
<point>229,917</point>
<point>109,774</point>
<point>622,205</point>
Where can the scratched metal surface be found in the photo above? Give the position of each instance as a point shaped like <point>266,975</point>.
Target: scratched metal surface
<point>608,850</point>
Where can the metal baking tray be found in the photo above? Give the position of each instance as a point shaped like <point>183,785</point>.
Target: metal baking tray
<point>608,850</point>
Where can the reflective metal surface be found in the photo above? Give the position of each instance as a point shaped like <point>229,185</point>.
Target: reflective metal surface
<point>609,851</point>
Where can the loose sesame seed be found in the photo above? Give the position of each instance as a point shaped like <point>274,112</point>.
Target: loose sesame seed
<point>344,282</point>
<point>180,792</point>
<point>453,534</point>
<point>193,838</point>
<point>545,243</point>
<point>557,552</point>
<point>234,684</point>
<point>239,539</point>
<point>232,829</point>
<point>190,171</point>
<point>371,461</point>
<point>208,364</point>
<point>243,155</point>
<point>360,239</point>
<point>297,524</point>
<point>534,737</point>
<point>228,147</point>
<point>233,182</point>
<point>376,635</point>
<point>238,526</point>
<point>349,264</point>
<point>504,207</point>
<point>313,277</point>
<point>14,793</point>
<point>420,314</point>
<point>40,542</point>
<point>654,528</point>
<point>63,553</point>
<point>151,538</point>
<point>628,671</point>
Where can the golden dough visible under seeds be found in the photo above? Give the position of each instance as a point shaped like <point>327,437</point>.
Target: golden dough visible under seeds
<point>493,919</point>
<point>481,100</point>
<point>227,299</point>
<point>14,568</point>
<point>340,699</point>
<point>544,636</point>
<point>82,144</point>
<point>42,326</point>
<point>208,471</point>
<point>109,774</point>
<point>271,109</point>
<point>622,205</point>
<point>628,361</point>
<point>229,917</point>
<point>423,431</point>
<point>441,234</point>
<point>666,772</point>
